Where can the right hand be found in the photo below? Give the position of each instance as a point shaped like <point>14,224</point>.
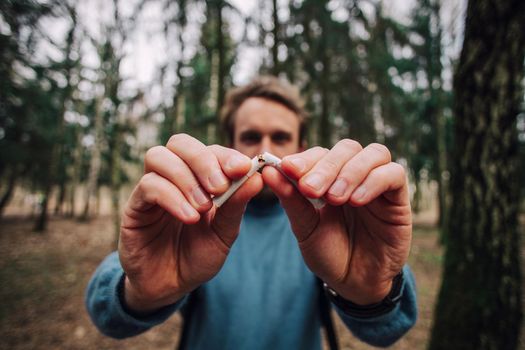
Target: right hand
<point>172,237</point>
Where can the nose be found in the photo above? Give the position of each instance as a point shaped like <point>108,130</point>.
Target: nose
<point>265,144</point>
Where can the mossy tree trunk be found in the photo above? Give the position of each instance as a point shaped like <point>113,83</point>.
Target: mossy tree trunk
<point>479,305</point>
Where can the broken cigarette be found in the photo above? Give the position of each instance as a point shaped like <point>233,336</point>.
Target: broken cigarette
<point>258,162</point>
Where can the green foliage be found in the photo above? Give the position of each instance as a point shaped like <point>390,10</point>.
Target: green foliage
<point>37,144</point>
<point>30,96</point>
<point>198,86</point>
<point>348,67</point>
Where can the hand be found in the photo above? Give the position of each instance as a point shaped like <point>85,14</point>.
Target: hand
<point>361,239</point>
<point>172,238</point>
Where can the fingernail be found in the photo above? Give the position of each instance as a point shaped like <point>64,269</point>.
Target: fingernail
<point>315,181</point>
<point>359,193</point>
<point>236,161</point>
<point>217,179</point>
<point>199,196</point>
<point>298,163</point>
<point>188,210</point>
<point>338,188</point>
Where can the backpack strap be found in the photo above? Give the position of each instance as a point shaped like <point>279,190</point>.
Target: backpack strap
<point>187,312</point>
<point>326,317</point>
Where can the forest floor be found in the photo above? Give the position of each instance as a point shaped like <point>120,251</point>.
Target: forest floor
<point>43,277</point>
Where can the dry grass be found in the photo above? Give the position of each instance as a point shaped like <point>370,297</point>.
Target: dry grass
<point>44,275</point>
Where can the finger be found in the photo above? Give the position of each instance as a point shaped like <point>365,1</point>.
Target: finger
<point>203,162</point>
<point>167,164</point>
<point>303,216</point>
<point>233,163</point>
<point>153,190</point>
<point>227,220</point>
<point>388,180</point>
<point>318,180</point>
<point>355,171</point>
<point>296,165</point>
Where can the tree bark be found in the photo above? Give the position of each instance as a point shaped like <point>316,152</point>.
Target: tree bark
<point>61,197</point>
<point>479,304</point>
<point>94,166</point>
<point>173,122</point>
<point>116,182</point>
<point>8,193</point>
<point>325,124</point>
<point>275,32</point>
<point>434,74</point>
<point>221,73</point>
<point>75,173</point>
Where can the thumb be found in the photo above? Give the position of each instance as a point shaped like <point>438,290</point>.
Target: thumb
<point>227,219</point>
<point>304,218</point>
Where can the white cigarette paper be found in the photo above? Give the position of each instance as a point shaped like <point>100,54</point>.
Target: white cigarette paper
<point>257,163</point>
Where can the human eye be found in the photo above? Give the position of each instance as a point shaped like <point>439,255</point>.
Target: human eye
<point>250,137</point>
<point>281,137</point>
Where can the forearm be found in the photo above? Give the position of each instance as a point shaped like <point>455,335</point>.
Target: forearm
<point>107,310</point>
<point>386,329</point>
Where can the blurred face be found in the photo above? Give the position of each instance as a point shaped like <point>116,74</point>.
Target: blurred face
<point>263,125</point>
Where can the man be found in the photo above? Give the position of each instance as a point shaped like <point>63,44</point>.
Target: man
<point>244,274</point>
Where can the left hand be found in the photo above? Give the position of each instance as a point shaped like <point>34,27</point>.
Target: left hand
<point>361,239</point>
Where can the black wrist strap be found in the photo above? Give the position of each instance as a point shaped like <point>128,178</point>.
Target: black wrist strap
<point>371,310</point>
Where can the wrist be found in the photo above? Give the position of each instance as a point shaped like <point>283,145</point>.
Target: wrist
<point>365,295</point>
<point>137,303</point>
<point>369,310</point>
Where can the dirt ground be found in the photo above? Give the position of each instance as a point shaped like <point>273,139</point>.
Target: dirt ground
<point>43,277</point>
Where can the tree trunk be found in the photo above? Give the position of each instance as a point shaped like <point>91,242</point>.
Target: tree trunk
<point>416,201</point>
<point>275,32</point>
<point>172,122</point>
<point>115,181</point>
<point>8,193</point>
<point>442,179</point>
<point>94,166</point>
<point>221,72</point>
<point>52,172</point>
<point>41,221</point>
<point>325,125</point>
<point>479,304</point>
<point>434,73</point>
<point>75,173</point>
<point>60,198</point>
<point>212,100</point>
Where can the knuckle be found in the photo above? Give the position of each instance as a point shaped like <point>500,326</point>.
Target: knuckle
<point>153,153</point>
<point>178,139</point>
<point>202,156</point>
<point>146,182</point>
<point>381,149</point>
<point>330,165</point>
<point>216,149</point>
<point>398,168</point>
<point>319,149</point>
<point>350,144</point>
